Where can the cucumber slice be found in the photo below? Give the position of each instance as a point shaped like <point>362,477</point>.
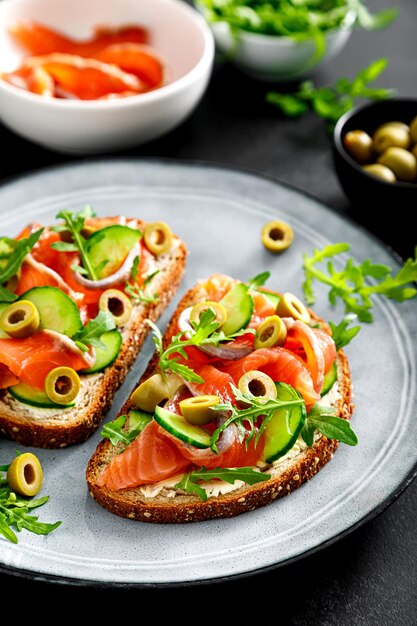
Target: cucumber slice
<point>284,427</point>
<point>178,426</point>
<point>239,306</point>
<point>35,397</point>
<point>56,310</point>
<point>105,356</point>
<point>109,247</point>
<point>138,420</point>
<point>329,379</point>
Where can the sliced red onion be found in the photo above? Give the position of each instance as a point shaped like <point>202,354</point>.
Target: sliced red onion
<point>228,351</point>
<point>118,277</point>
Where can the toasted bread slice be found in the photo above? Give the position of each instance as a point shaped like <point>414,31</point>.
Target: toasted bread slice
<point>163,503</point>
<point>58,428</point>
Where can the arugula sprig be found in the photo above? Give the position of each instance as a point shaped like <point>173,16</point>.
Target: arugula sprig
<point>349,284</point>
<point>322,418</point>
<point>254,409</point>
<point>330,102</point>
<point>117,434</point>
<point>202,333</point>
<point>12,258</point>
<point>189,481</point>
<point>74,223</point>
<point>91,334</point>
<point>142,293</point>
<point>14,512</point>
<point>341,333</point>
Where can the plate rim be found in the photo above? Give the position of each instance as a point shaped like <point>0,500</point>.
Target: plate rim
<point>58,580</point>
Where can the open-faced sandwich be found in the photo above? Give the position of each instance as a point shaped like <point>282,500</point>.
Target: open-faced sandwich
<point>246,398</point>
<point>73,300</point>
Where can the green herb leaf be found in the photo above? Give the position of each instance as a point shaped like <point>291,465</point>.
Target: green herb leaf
<point>6,295</point>
<point>91,334</point>
<point>203,333</point>
<point>259,280</point>
<point>330,102</point>
<point>375,21</point>
<point>349,284</point>
<point>189,481</point>
<point>332,426</point>
<point>142,293</point>
<point>14,513</point>
<point>74,223</point>
<point>16,257</point>
<point>117,434</point>
<point>342,335</point>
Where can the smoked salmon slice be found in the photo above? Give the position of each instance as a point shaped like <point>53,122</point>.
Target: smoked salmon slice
<point>281,365</point>
<point>32,358</point>
<point>149,458</point>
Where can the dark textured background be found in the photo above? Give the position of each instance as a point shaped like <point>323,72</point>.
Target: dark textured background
<point>369,576</point>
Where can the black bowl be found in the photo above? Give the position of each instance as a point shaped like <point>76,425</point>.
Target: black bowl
<point>385,208</point>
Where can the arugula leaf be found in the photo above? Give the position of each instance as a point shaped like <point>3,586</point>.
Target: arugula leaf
<point>350,286</point>
<point>91,334</point>
<point>189,481</point>
<point>203,333</point>
<point>16,257</point>
<point>74,223</point>
<point>322,418</point>
<point>142,293</point>
<point>14,513</point>
<point>259,280</point>
<point>6,295</point>
<point>257,408</point>
<point>330,102</point>
<point>114,430</point>
<point>299,19</point>
<point>342,335</point>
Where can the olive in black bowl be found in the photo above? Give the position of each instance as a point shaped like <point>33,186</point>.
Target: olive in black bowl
<point>375,158</point>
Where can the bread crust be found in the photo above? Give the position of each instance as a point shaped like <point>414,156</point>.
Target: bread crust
<point>57,429</point>
<point>132,503</point>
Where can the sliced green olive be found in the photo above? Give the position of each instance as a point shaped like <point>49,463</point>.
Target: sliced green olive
<point>291,306</point>
<point>216,307</point>
<point>359,145</point>
<point>154,390</point>
<point>199,409</point>
<point>277,236</point>
<point>258,384</point>
<point>24,475</point>
<point>62,385</point>
<point>402,162</point>
<point>158,237</point>
<point>272,332</point>
<point>117,303</point>
<point>380,171</point>
<point>20,319</point>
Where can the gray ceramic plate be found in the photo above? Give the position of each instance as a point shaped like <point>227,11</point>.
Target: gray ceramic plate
<point>219,213</point>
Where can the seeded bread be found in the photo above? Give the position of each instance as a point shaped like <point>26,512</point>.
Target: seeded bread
<point>51,428</point>
<point>161,503</point>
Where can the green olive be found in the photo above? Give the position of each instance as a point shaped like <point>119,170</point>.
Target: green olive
<point>154,390</point>
<point>272,332</point>
<point>216,307</point>
<point>158,237</point>
<point>258,384</point>
<point>62,385</point>
<point>20,319</point>
<point>413,130</point>
<point>199,409</point>
<point>24,475</point>
<point>277,236</point>
<point>291,306</point>
<point>380,171</point>
<point>117,303</point>
<point>359,145</point>
<point>402,162</point>
<point>391,135</point>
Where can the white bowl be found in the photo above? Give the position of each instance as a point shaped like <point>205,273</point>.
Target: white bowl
<point>178,32</point>
<point>277,58</point>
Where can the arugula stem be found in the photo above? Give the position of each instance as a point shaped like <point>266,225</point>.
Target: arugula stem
<point>80,245</point>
